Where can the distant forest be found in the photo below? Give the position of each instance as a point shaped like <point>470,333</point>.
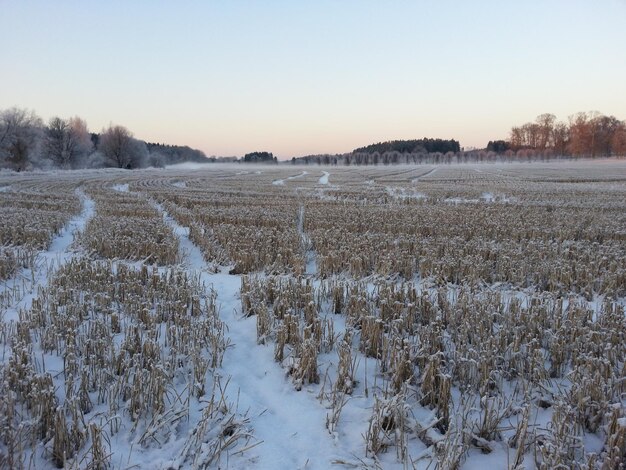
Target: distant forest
<point>412,146</point>
<point>173,154</point>
<point>584,135</point>
<point>26,142</point>
<point>259,157</point>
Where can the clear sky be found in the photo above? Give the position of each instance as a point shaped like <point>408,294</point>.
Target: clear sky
<point>304,77</point>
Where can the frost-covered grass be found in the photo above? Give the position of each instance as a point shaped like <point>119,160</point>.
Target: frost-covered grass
<point>401,317</point>
<point>127,227</point>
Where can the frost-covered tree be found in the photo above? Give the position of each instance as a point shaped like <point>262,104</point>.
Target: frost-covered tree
<point>67,143</point>
<point>20,137</point>
<point>79,144</point>
<point>619,140</point>
<point>54,142</point>
<point>120,149</point>
<point>156,159</point>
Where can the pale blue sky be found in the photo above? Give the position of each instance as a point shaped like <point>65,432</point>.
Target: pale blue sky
<point>298,78</point>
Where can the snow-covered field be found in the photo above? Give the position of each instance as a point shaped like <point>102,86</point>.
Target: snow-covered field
<point>222,316</point>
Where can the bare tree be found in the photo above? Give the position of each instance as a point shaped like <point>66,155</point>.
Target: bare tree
<point>618,143</point>
<point>120,149</point>
<point>20,137</point>
<point>605,129</point>
<point>67,143</point>
<point>516,138</point>
<point>55,141</point>
<point>580,137</point>
<point>79,144</point>
<point>561,138</point>
<point>156,159</point>
<point>546,130</point>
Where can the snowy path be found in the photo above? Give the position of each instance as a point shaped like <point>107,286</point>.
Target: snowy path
<point>415,180</point>
<point>324,178</point>
<point>281,182</point>
<point>290,425</point>
<point>120,188</point>
<point>189,253</point>
<point>49,261</point>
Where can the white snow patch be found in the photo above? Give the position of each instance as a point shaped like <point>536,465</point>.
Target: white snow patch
<point>190,253</point>
<point>48,262</point>
<point>324,178</point>
<point>505,198</point>
<point>281,182</point>
<point>403,193</point>
<point>488,197</point>
<point>460,200</point>
<point>179,184</point>
<point>289,425</point>
<point>122,188</point>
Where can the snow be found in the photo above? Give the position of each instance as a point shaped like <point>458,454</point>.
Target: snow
<point>404,193</point>
<point>122,188</point>
<point>47,262</point>
<point>324,178</point>
<point>289,425</point>
<point>486,197</point>
<point>280,182</point>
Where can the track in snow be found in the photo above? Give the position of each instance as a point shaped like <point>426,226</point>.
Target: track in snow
<point>291,425</point>
<point>415,180</point>
<point>49,261</point>
<point>281,182</point>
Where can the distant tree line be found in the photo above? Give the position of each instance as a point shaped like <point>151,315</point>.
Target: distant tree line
<point>173,154</point>
<point>424,145</point>
<point>498,146</point>
<point>376,158</point>
<point>259,157</point>
<point>27,142</point>
<point>392,152</point>
<point>585,134</point>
